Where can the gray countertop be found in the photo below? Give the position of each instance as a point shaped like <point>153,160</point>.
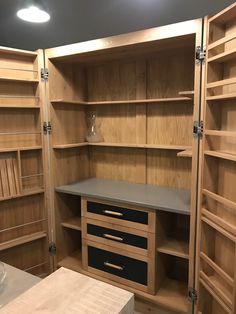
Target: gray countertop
<point>15,283</point>
<point>144,195</point>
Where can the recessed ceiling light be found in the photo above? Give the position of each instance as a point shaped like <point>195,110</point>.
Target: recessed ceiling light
<point>33,15</point>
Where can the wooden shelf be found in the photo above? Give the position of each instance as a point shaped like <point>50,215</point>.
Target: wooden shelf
<point>22,240</point>
<point>66,146</point>
<point>6,150</point>
<point>19,106</point>
<point>219,199</point>
<point>222,97</point>
<point>186,153</point>
<point>223,57</point>
<point>73,261</point>
<point>218,287</point>
<point>73,223</point>
<point>117,102</point>
<point>221,154</point>
<point>189,94</point>
<point>175,247</point>
<point>18,52</point>
<point>221,83</point>
<point>221,41</point>
<point>220,133</point>
<point>12,79</point>
<point>128,145</point>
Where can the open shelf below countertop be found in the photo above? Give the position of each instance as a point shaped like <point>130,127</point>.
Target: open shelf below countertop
<point>144,195</point>
<point>170,289</point>
<point>126,101</point>
<point>175,247</point>
<point>72,223</point>
<point>128,145</point>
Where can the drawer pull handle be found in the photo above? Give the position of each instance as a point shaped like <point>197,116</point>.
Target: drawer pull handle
<point>114,266</point>
<point>109,212</point>
<point>110,236</point>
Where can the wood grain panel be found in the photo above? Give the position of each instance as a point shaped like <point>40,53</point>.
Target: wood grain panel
<point>164,168</point>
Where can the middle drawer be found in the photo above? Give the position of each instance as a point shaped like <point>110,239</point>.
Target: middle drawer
<point>125,238</point>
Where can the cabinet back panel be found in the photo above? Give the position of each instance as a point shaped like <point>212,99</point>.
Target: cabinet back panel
<point>170,123</point>
<point>118,164</point>
<point>115,80</point>
<point>70,166</point>
<point>69,121</point>
<point>67,81</point>
<point>17,88</point>
<point>17,62</point>
<point>165,169</point>
<point>170,73</point>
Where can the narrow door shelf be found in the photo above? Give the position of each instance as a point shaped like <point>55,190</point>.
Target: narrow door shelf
<point>144,195</point>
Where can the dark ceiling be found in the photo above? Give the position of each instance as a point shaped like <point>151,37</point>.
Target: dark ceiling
<point>80,20</point>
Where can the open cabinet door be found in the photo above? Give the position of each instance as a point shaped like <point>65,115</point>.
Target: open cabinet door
<point>217,218</point>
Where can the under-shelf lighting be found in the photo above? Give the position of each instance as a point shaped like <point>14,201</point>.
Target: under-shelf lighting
<point>33,14</point>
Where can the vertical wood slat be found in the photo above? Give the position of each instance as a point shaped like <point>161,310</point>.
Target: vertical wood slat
<point>9,177</point>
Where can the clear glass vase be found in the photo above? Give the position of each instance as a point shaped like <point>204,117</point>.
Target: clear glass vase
<point>93,133</point>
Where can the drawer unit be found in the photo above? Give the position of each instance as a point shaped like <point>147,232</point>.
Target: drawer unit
<point>130,269</point>
<point>130,216</point>
<point>132,240</point>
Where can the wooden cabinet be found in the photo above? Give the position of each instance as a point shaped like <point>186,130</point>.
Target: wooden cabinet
<point>151,208</point>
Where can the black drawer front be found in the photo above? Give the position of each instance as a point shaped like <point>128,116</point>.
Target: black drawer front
<point>119,265</point>
<point>118,236</point>
<point>118,212</point>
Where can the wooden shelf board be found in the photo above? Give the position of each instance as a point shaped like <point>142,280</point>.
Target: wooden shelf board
<point>221,41</point>
<point>185,153</point>
<point>170,289</point>
<point>65,146</point>
<point>227,15</point>
<point>149,146</point>
<point>22,240</point>
<point>73,223</point>
<point>12,79</point>
<point>221,154</point>
<point>24,194</point>
<point>20,107</point>
<point>221,83</point>
<point>189,94</point>
<point>73,261</point>
<point>128,145</point>
<point>223,57</point>
<point>175,247</point>
<point>6,150</point>
<point>220,133</point>
<point>125,101</point>
<point>222,97</point>
<point>66,101</point>
<point>219,199</point>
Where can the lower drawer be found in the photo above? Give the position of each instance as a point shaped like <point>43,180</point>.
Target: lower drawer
<point>124,267</point>
<point>119,265</point>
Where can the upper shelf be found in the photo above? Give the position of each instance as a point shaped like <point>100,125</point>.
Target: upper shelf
<point>223,57</point>
<point>144,195</point>
<point>117,102</point>
<point>15,79</point>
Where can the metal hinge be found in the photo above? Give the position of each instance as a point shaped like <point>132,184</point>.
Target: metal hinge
<point>47,128</point>
<point>44,74</point>
<point>52,248</point>
<point>192,295</point>
<point>197,129</point>
<point>200,55</point>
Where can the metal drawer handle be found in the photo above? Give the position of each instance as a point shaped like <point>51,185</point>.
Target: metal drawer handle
<point>110,236</point>
<point>109,212</point>
<point>114,266</point>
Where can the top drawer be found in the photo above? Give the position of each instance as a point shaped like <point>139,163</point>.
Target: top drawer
<point>124,215</point>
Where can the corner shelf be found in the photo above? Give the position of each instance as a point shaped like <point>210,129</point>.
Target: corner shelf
<point>72,261</point>
<point>66,146</point>
<point>118,102</point>
<point>175,247</point>
<point>22,240</point>
<point>186,153</point>
<point>72,223</point>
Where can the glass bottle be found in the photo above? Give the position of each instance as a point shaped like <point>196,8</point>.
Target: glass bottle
<point>93,133</point>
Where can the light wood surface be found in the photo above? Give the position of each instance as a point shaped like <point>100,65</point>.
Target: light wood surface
<point>86,295</point>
